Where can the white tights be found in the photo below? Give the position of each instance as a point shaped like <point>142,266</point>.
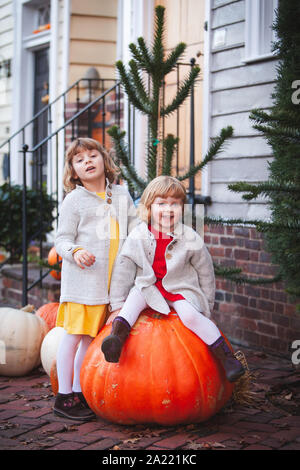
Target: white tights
<point>69,359</point>
<point>190,317</point>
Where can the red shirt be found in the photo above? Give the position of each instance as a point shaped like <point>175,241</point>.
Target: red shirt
<point>159,263</point>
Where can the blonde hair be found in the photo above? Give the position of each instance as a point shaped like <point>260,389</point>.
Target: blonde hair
<point>77,146</point>
<point>161,186</point>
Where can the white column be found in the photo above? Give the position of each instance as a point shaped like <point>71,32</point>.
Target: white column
<point>206,174</point>
<point>135,20</point>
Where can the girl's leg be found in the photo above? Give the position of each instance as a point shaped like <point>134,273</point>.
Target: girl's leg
<point>211,335</point>
<point>112,345</point>
<point>196,321</point>
<point>133,306</point>
<point>66,403</point>
<point>81,351</point>
<point>65,362</point>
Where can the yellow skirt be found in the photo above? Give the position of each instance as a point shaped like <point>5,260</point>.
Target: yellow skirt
<point>78,319</point>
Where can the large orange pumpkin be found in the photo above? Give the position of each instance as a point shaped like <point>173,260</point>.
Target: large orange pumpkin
<point>54,258</point>
<point>49,313</point>
<point>166,375</point>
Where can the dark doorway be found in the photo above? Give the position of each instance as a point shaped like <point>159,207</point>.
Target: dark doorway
<point>40,130</point>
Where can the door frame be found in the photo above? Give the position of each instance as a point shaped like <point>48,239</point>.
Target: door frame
<point>23,78</point>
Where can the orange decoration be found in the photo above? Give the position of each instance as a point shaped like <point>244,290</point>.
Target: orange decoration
<point>53,259</point>
<point>53,378</point>
<point>166,375</point>
<point>41,28</point>
<point>48,312</point>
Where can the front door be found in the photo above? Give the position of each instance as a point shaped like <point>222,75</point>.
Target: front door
<point>40,130</point>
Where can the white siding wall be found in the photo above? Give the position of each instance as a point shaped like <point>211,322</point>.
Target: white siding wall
<point>6,52</point>
<point>236,88</point>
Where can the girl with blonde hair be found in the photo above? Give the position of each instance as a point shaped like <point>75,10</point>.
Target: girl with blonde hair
<point>95,218</point>
<point>163,264</point>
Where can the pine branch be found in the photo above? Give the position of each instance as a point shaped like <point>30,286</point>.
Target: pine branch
<point>123,155</point>
<point>139,57</point>
<point>287,133</point>
<point>259,224</point>
<point>216,146</point>
<point>173,57</point>
<point>294,291</point>
<point>281,116</point>
<point>233,274</point>
<point>263,188</point>
<point>132,186</point>
<point>126,82</point>
<point>139,85</point>
<point>146,54</point>
<point>182,93</point>
<point>158,50</point>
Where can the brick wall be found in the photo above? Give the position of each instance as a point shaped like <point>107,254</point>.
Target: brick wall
<point>262,316</point>
<point>11,287</point>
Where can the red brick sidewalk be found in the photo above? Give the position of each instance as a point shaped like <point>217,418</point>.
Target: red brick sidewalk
<point>273,422</point>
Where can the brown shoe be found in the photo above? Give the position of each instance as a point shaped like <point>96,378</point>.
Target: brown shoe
<point>112,344</point>
<point>69,406</point>
<point>232,366</point>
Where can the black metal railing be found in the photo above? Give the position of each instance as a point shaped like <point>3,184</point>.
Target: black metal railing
<point>84,118</point>
<point>70,102</point>
<point>90,119</point>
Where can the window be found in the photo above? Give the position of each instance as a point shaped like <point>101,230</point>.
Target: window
<point>259,35</point>
<point>36,16</point>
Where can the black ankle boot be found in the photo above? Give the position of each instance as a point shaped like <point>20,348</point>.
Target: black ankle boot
<point>83,401</point>
<point>112,344</point>
<point>69,406</point>
<point>232,366</point>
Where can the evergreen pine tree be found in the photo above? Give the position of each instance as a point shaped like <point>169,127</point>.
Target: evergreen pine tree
<point>151,67</point>
<point>281,128</point>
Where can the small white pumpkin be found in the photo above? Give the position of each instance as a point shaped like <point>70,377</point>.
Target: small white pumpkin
<point>21,336</point>
<point>50,346</point>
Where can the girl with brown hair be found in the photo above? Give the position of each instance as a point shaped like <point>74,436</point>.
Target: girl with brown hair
<point>94,220</point>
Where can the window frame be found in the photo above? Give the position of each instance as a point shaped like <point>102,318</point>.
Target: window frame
<point>255,27</point>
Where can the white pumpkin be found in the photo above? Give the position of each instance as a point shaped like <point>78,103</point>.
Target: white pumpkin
<point>50,346</point>
<point>21,336</point>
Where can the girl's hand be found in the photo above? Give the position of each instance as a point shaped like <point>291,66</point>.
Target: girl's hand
<point>112,316</point>
<point>83,257</point>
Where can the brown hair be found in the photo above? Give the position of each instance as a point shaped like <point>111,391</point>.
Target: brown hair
<point>86,143</point>
<point>161,186</point>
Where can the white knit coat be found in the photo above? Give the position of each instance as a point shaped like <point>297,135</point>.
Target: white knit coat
<point>190,270</point>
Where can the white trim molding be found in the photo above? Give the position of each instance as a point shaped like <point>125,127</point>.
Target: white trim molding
<point>25,44</point>
<point>206,127</point>
<point>260,15</point>
<point>135,19</point>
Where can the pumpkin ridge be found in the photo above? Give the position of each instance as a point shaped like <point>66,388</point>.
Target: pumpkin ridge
<point>156,328</point>
<point>190,355</point>
<point>106,389</point>
<point>151,381</point>
<point>186,349</point>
